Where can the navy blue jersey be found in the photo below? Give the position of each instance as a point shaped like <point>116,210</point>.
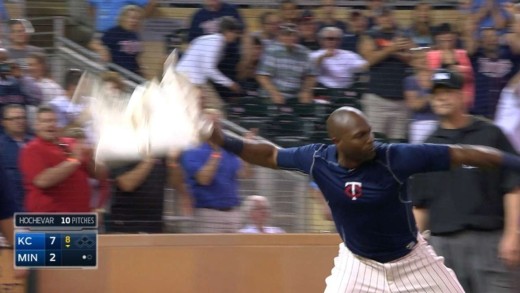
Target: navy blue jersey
<point>369,204</point>
<point>491,76</point>
<point>125,47</point>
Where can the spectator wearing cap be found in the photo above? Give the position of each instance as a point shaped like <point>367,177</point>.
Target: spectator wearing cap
<point>387,51</point>
<point>19,36</point>
<point>199,62</point>
<point>285,73</point>
<point>447,56</point>
<point>257,211</point>
<point>357,26</point>
<point>328,12</point>
<point>493,66</point>
<point>472,213</point>
<point>336,67</point>
<point>421,29</point>
<point>289,11</point>
<point>308,31</point>
<point>206,21</point>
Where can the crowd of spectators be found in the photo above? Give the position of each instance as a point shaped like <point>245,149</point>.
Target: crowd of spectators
<point>283,79</point>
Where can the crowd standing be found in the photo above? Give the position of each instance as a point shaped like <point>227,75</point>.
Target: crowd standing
<point>295,69</point>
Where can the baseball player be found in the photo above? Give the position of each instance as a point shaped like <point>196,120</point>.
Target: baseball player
<point>364,183</point>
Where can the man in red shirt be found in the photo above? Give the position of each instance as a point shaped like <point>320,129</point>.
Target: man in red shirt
<point>55,170</point>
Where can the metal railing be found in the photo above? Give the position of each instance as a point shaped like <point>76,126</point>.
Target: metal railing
<point>287,191</point>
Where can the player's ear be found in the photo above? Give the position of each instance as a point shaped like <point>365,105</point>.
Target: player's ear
<point>334,140</point>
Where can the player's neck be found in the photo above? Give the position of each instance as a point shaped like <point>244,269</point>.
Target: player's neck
<point>455,121</point>
<point>347,162</point>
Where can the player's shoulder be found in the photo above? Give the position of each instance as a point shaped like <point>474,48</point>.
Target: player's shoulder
<point>384,150</point>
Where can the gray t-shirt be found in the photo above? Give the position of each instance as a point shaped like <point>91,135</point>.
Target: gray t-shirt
<point>20,56</point>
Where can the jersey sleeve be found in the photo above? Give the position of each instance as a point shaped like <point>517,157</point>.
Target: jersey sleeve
<point>297,158</point>
<point>406,160</point>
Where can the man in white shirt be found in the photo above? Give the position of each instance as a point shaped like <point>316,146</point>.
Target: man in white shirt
<point>199,62</point>
<point>336,67</point>
<point>507,115</point>
<point>257,211</point>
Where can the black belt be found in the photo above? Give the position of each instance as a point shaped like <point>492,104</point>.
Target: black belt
<point>220,209</point>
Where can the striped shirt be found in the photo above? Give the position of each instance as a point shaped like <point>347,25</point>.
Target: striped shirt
<point>199,63</point>
<point>287,68</point>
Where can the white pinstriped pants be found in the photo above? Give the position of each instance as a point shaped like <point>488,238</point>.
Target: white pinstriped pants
<point>419,271</point>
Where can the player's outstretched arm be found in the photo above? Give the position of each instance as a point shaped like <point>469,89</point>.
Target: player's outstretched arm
<point>254,152</point>
<point>485,157</point>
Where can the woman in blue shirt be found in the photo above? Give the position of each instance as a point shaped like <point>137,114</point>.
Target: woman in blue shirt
<point>123,41</point>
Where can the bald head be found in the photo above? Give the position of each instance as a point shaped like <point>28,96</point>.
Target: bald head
<point>350,132</point>
<point>344,119</point>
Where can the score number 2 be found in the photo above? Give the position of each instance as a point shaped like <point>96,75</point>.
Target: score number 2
<point>52,257</point>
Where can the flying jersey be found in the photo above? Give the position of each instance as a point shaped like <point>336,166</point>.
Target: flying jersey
<point>369,204</point>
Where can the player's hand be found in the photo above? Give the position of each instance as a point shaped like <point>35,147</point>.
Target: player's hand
<point>509,250</point>
<point>217,135</point>
<point>251,134</point>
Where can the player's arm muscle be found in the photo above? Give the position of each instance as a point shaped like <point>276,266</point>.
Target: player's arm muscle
<point>478,156</point>
<point>260,153</point>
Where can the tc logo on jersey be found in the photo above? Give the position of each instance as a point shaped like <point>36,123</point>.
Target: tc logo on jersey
<point>353,190</point>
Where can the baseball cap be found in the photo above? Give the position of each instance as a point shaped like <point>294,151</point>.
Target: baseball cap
<point>447,79</point>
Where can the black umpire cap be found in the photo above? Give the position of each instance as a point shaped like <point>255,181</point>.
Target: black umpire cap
<point>446,78</point>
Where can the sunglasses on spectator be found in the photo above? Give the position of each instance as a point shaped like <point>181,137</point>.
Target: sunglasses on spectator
<point>15,118</point>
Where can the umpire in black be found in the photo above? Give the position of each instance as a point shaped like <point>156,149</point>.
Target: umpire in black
<point>473,214</point>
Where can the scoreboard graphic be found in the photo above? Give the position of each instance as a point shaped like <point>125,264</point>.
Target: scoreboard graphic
<point>56,240</point>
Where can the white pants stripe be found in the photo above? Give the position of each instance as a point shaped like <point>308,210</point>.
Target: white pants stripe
<point>419,271</point>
